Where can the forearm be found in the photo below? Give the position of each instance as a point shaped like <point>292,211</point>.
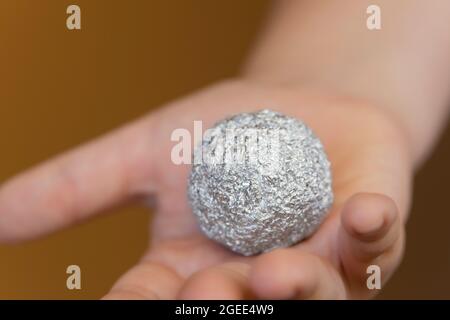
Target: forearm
<point>403,68</point>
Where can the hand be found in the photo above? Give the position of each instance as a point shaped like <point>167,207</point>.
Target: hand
<point>371,169</point>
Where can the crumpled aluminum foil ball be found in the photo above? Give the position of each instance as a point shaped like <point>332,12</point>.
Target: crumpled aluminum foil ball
<point>260,181</point>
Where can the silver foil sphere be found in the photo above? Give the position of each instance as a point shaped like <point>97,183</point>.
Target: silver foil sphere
<point>260,181</point>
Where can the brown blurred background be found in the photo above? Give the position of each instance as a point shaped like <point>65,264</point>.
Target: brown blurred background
<point>59,88</point>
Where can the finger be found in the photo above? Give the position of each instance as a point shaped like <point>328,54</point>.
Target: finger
<point>70,187</point>
<point>291,274</point>
<point>228,281</point>
<point>146,281</point>
<point>371,232</point>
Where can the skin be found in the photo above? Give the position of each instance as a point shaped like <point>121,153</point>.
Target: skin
<point>364,226</point>
<point>368,140</point>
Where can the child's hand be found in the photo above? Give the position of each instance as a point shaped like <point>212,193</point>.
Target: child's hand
<point>372,171</point>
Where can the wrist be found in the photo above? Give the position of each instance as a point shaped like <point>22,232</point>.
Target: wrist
<point>418,126</point>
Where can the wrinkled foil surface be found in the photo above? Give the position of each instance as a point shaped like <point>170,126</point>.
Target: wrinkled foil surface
<point>260,181</point>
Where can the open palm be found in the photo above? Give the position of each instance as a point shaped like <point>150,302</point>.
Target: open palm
<point>371,182</point>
